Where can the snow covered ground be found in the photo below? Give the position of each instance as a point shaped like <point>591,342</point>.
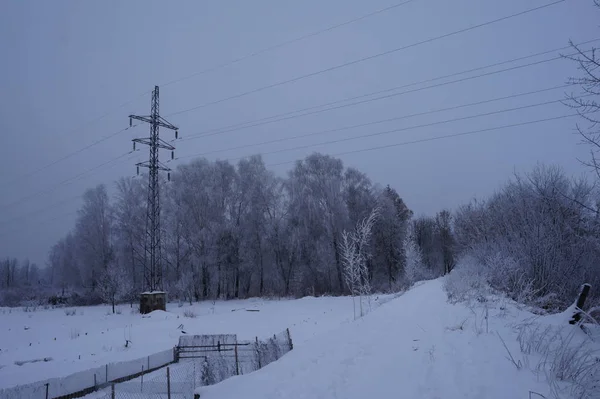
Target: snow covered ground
<point>416,346</point>
<point>93,337</point>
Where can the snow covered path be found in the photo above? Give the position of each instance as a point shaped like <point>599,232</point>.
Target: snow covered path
<point>408,348</point>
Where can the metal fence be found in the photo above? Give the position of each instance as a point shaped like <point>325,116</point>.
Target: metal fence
<point>221,357</point>
<point>198,360</point>
<point>177,381</point>
<point>88,381</point>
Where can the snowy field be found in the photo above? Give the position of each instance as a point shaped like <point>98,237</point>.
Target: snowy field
<point>419,346</point>
<point>93,337</point>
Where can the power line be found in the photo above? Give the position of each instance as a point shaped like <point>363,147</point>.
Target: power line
<point>442,137</point>
<point>443,122</point>
<point>288,42</point>
<point>66,181</point>
<point>71,154</point>
<point>42,222</point>
<point>253,54</point>
<point>371,57</point>
<point>54,205</point>
<point>248,56</point>
<point>44,209</point>
<point>379,121</point>
<point>290,115</point>
<point>389,145</point>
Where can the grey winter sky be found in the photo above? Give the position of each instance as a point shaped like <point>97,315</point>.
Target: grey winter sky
<point>68,66</point>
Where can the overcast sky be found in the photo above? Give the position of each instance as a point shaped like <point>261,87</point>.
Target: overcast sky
<point>69,66</point>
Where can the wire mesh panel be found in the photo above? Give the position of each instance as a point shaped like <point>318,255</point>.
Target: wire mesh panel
<point>219,357</point>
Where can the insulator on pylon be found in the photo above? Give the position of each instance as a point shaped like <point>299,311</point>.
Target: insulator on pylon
<point>172,154</point>
<point>138,170</point>
<point>176,134</point>
<point>169,176</point>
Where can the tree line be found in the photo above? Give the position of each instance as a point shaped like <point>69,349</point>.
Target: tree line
<point>235,231</point>
<point>238,231</point>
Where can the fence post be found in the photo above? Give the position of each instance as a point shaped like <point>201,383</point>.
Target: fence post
<point>237,363</point>
<point>289,338</point>
<point>47,385</point>
<point>585,289</point>
<point>258,353</point>
<point>95,381</point>
<point>106,372</point>
<point>148,368</point>
<point>142,385</point>
<point>176,354</point>
<point>112,391</point>
<point>168,384</point>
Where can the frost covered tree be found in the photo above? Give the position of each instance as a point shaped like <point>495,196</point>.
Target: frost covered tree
<point>113,284</point>
<point>587,101</point>
<point>233,231</point>
<point>537,237</point>
<point>354,250</point>
<point>315,187</point>
<point>389,234</point>
<point>93,234</point>
<point>129,211</point>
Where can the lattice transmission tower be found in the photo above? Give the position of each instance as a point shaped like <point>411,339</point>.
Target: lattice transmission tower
<point>152,244</point>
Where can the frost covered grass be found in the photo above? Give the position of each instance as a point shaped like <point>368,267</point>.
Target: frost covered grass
<point>568,358</point>
<point>82,338</point>
<point>565,356</point>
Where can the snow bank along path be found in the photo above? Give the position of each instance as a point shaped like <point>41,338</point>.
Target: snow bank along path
<point>93,338</point>
<point>410,347</point>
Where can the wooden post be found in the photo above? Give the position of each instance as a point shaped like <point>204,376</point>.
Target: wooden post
<point>47,385</point>
<point>176,354</point>
<point>112,391</point>
<point>106,372</point>
<point>237,363</point>
<point>148,368</point>
<point>142,385</point>
<point>168,383</point>
<point>258,353</point>
<point>289,339</point>
<point>585,290</point>
<point>95,381</point>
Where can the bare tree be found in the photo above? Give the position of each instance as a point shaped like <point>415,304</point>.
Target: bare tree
<point>587,103</point>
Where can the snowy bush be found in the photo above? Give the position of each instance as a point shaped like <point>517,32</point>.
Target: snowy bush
<point>189,313</point>
<point>415,269</point>
<point>467,281</point>
<point>70,312</point>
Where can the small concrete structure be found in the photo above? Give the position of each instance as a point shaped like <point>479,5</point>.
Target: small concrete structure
<point>151,301</point>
